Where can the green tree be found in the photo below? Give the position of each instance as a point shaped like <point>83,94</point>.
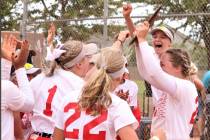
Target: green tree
<point>8,15</point>
<point>74,9</point>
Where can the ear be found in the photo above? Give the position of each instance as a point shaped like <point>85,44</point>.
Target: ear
<point>78,65</point>
<point>178,69</point>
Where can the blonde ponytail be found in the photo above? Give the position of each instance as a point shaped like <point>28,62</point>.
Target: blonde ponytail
<point>95,96</point>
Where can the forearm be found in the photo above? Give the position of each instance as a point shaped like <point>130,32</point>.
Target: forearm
<point>24,86</point>
<point>18,131</point>
<point>130,25</point>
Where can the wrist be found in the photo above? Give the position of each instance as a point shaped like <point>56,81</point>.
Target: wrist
<point>126,16</point>
<point>140,40</point>
<point>121,42</point>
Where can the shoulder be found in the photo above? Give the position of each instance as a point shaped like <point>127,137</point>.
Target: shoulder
<point>7,85</point>
<point>131,83</point>
<point>117,101</point>
<point>73,96</point>
<point>186,88</point>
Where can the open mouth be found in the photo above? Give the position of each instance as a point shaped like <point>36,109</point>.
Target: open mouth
<point>158,46</point>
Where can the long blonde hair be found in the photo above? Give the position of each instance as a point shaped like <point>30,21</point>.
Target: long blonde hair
<point>95,95</point>
<point>73,49</point>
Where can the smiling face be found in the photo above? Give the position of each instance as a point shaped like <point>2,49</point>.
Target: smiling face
<point>160,42</point>
<point>167,65</point>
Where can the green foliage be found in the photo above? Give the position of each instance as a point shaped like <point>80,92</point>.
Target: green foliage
<point>8,15</point>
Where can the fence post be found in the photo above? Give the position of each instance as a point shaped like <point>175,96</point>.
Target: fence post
<point>24,20</point>
<point>105,20</point>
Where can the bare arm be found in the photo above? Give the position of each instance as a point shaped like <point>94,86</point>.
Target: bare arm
<point>18,131</point>
<point>127,133</point>
<point>58,134</point>
<point>127,9</point>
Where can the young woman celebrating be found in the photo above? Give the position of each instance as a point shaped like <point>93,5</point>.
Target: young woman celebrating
<point>96,113</point>
<point>176,108</point>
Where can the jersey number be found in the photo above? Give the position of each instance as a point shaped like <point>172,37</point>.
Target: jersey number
<point>47,111</point>
<point>195,112</point>
<point>86,131</point>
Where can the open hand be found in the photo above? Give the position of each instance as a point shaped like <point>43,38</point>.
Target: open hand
<point>8,47</point>
<point>142,31</point>
<point>51,34</point>
<point>19,58</point>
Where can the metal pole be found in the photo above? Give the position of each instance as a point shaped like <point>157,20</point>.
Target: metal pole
<point>24,20</point>
<point>105,20</point>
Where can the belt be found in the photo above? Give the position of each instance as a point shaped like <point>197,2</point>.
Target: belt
<point>42,134</point>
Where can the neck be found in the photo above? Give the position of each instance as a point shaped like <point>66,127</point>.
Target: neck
<point>75,71</point>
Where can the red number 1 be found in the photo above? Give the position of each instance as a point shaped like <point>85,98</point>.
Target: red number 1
<point>48,111</point>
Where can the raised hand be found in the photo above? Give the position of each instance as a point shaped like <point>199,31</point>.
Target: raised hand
<point>127,9</point>
<point>20,57</point>
<point>142,31</point>
<point>8,47</point>
<point>51,34</point>
<point>123,35</point>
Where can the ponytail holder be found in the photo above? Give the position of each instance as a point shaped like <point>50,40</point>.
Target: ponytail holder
<point>55,53</point>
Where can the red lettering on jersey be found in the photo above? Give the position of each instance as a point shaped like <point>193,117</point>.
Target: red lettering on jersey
<point>102,134</point>
<point>72,134</point>
<point>195,112</point>
<point>48,111</point>
<point>87,127</point>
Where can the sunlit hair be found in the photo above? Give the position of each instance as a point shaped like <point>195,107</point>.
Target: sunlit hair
<point>180,58</point>
<point>73,49</point>
<point>95,95</point>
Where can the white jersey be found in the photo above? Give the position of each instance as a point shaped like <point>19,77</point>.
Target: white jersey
<point>49,92</point>
<point>5,69</point>
<point>176,106</point>
<point>14,99</point>
<point>80,125</point>
<point>176,114</point>
<point>132,89</point>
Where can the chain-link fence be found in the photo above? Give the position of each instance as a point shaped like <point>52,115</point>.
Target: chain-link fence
<point>99,21</point>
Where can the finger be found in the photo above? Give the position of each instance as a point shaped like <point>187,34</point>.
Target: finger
<point>13,57</point>
<point>10,40</point>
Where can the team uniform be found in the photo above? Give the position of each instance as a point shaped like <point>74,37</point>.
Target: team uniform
<point>82,126</point>
<point>14,99</point>
<point>130,86</point>
<point>49,92</point>
<point>132,100</point>
<point>176,108</point>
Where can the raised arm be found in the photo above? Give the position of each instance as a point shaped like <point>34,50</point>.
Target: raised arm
<point>155,75</point>
<point>127,9</point>
<point>25,92</point>
<point>8,47</point>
